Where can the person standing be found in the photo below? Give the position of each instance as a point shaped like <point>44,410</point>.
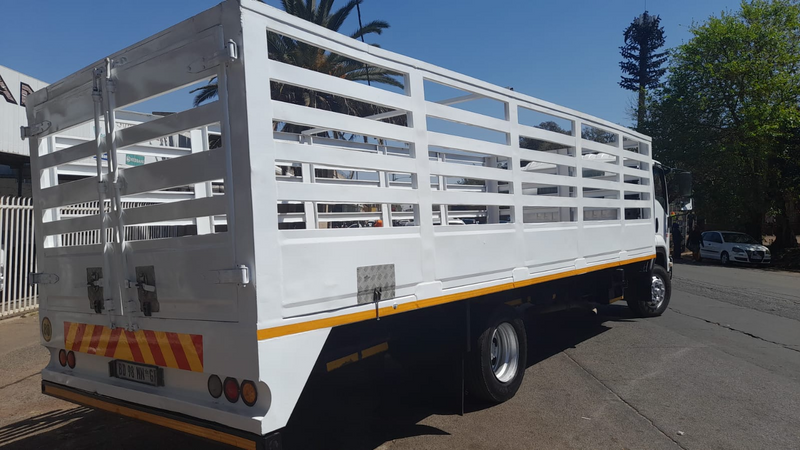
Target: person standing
<point>677,241</point>
<point>694,242</point>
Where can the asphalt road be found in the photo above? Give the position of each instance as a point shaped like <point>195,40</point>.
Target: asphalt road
<point>720,369</point>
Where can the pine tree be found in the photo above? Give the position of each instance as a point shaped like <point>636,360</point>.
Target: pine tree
<point>641,60</point>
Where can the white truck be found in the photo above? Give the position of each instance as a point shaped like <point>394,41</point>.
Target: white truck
<point>215,332</point>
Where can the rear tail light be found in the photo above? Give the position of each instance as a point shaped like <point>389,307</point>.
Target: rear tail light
<point>71,360</point>
<point>214,386</point>
<point>249,393</point>
<point>231,387</point>
<point>62,358</point>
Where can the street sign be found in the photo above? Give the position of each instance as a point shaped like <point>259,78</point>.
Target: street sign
<point>134,160</point>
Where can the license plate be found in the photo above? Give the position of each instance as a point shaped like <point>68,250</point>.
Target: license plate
<point>140,373</point>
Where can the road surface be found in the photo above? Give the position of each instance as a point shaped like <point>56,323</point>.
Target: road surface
<point>720,369</point>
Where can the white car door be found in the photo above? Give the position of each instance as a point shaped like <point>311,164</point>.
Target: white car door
<point>711,245</point>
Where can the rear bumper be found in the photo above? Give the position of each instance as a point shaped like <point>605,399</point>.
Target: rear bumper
<point>201,428</point>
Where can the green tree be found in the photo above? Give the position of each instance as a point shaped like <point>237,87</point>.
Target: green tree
<point>641,59</point>
<point>729,113</point>
<point>307,56</point>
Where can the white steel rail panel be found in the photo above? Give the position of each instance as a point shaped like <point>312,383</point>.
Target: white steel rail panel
<point>78,191</point>
<point>186,170</point>
<point>325,155</point>
<point>543,200</point>
<point>550,179</point>
<point>601,184</point>
<point>471,198</point>
<point>603,203</point>
<point>74,153</point>
<point>301,115</point>
<point>336,193</point>
<point>310,79</point>
<point>466,117</point>
<point>456,170</point>
<point>610,149</point>
<point>546,135</point>
<point>547,157</point>
<point>436,139</point>
<point>601,166</point>
<point>89,222</point>
<point>187,209</point>
<point>171,124</point>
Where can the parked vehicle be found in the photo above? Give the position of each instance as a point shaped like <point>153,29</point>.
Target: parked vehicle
<point>731,247</point>
<point>220,331</point>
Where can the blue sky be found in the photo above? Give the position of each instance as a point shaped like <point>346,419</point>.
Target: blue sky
<point>566,52</point>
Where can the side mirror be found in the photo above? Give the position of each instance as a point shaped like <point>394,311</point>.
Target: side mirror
<point>683,184</point>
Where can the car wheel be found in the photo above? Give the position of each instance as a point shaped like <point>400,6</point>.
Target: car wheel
<point>497,362</point>
<point>724,258</point>
<point>650,297</point>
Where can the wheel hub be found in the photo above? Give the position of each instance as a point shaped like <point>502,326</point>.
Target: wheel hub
<point>658,292</point>
<point>504,352</point>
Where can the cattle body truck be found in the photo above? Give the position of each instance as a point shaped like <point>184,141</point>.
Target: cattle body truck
<point>476,203</point>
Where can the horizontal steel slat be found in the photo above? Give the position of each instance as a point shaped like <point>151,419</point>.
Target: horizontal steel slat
<point>466,117</point>
<point>187,209</point>
<point>147,131</point>
<point>637,204</point>
<point>547,201</point>
<point>611,149</point>
<point>471,198</point>
<point>601,203</point>
<point>338,157</point>
<point>547,157</point>
<point>602,184</point>
<point>467,171</point>
<point>317,81</point>
<point>436,139</point>
<point>78,191</point>
<point>169,125</point>
<point>636,187</point>
<point>546,135</point>
<point>317,118</point>
<point>636,156</point>
<point>71,225</point>
<point>331,193</point>
<point>191,169</point>
<point>74,153</point>
<point>547,178</point>
<point>637,172</point>
<point>601,166</point>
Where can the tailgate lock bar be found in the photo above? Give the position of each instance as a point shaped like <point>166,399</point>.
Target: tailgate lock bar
<point>146,287</point>
<point>42,278</point>
<point>239,275</point>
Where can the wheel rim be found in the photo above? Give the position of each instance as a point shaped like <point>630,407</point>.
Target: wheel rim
<point>504,352</point>
<point>658,292</point>
<point>724,258</point>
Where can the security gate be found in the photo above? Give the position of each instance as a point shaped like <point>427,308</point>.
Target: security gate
<point>17,256</point>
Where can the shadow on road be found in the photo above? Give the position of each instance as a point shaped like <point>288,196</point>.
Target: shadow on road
<point>358,407</point>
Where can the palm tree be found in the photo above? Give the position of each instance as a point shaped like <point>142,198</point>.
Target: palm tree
<point>307,56</point>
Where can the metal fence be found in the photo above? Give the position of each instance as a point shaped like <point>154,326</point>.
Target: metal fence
<point>17,256</point>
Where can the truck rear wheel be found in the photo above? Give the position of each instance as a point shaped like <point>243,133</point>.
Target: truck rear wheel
<point>497,362</point>
<point>650,297</point>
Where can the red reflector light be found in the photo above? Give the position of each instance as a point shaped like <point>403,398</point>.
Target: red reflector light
<point>249,393</point>
<point>231,390</point>
<point>71,360</point>
<point>62,358</point>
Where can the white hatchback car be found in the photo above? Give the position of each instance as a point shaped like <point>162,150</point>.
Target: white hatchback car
<point>728,246</point>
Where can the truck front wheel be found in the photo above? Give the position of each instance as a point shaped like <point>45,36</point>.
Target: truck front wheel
<point>651,297</point>
<point>496,364</point>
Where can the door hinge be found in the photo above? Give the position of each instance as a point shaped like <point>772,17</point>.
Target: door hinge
<point>42,278</point>
<point>34,130</point>
<point>229,53</point>
<point>239,275</point>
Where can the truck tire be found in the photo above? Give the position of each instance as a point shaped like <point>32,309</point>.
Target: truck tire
<point>651,297</point>
<point>497,362</point>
